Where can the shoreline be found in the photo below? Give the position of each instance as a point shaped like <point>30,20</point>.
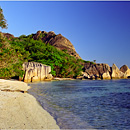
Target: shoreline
<point>20,110</point>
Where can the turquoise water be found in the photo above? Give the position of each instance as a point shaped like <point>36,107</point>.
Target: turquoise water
<point>84,104</point>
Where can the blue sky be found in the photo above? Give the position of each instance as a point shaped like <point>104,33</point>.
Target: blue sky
<point>98,30</point>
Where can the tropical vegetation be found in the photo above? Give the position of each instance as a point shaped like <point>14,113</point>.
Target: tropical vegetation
<point>15,51</point>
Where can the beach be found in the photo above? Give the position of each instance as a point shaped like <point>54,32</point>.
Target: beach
<point>20,110</point>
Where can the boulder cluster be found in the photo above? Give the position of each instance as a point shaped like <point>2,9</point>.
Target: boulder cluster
<point>104,71</point>
<point>36,72</point>
<point>39,72</point>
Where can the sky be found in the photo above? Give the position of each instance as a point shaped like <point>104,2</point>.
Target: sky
<point>98,30</point>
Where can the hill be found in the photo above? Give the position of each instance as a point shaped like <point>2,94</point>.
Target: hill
<point>55,51</point>
<point>58,41</point>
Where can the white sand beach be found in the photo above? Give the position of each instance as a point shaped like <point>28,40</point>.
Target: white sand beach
<point>20,110</point>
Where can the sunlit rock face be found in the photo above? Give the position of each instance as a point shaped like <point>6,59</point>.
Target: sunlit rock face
<point>104,71</point>
<point>101,71</point>
<point>36,72</point>
<point>125,69</point>
<point>116,73</point>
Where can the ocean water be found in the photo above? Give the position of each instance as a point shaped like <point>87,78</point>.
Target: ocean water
<point>86,104</point>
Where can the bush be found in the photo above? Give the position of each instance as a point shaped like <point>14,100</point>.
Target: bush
<point>10,60</point>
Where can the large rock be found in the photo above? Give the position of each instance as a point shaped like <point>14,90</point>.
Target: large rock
<point>59,41</point>
<point>106,75</point>
<point>34,79</point>
<point>13,86</point>
<point>116,73</point>
<point>127,73</point>
<point>125,69</point>
<point>36,72</point>
<point>85,75</point>
<point>102,71</point>
<point>91,70</point>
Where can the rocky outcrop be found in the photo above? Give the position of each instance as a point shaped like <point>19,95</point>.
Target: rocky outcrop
<point>116,73</point>
<point>58,41</point>
<point>125,69</point>
<point>127,73</point>
<point>104,71</point>
<point>36,72</point>
<point>106,75</point>
<point>96,71</point>
<point>85,75</point>
<point>13,86</point>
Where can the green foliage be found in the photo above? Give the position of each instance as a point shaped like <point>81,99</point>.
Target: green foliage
<point>26,49</point>
<point>92,62</point>
<point>62,64</point>
<point>89,61</point>
<point>10,60</point>
<point>86,61</point>
<point>3,23</point>
<point>42,35</point>
<point>22,36</point>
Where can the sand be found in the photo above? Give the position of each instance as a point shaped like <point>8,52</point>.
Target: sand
<point>20,110</point>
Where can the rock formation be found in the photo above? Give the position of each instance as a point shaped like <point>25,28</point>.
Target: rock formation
<point>125,69</point>
<point>106,75</point>
<point>36,72</point>
<point>58,41</point>
<point>116,73</point>
<point>104,71</point>
<point>97,70</point>
<point>13,86</point>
